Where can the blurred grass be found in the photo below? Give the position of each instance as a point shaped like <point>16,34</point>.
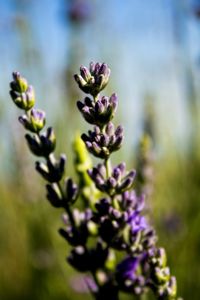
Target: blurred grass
<point>177,216</point>
<point>32,254</point>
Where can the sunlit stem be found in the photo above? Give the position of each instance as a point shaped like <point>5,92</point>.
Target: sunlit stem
<point>108,167</point>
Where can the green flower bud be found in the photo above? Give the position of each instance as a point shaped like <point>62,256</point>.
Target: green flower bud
<point>19,84</point>
<point>172,288</point>
<point>33,121</point>
<point>92,228</point>
<point>162,275</point>
<point>111,260</point>
<point>21,93</point>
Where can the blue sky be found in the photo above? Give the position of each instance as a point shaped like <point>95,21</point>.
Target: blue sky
<point>135,37</point>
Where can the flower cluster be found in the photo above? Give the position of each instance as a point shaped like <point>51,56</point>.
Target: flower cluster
<point>112,218</point>
<point>43,144</point>
<point>93,80</point>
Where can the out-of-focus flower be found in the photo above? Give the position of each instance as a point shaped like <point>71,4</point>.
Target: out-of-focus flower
<point>80,11</point>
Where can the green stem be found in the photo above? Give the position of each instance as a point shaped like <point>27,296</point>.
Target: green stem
<point>143,297</point>
<point>96,98</point>
<point>108,167</point>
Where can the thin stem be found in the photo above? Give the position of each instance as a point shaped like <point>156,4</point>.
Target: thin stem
<point>108,167</point>
<point>142,297</point>
<point>96,98</point>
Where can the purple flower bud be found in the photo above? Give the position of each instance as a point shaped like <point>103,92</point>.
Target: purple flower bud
<point>97,68</point>
<point>100,183</point>
<point>53,195</point>
<point>30,96</point>
<point>103,206</point>
<point>90,260</point>
<point>89,102</point>
<point>47,143</point>
<point>80,105</point>
<point>94,80</point>
<point>34,145</point>
<point>122,168</point>
<point>117,143</point>
<point>71,191</point>
<point>43,170</point>
<point>96,149</point>
<point>65,219</point>
<point>126,184</point>
<point>104,101</point>
<point>53,170</point>
<point>129,200</point>
<point>117,174</point>
<point>113,101</point>
<point>119,131</point>
<point>127,269</point>
<point>85,73</point>
<point>114,213</point>
<point>104,139</point>
<point>110,129</point>
<point>112,183</point>
<point>99,108</point>
<point>92,67</point>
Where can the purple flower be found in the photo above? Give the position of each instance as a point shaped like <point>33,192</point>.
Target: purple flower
<point>117,183</point>
<point>99,112</point>
<point>43,146</point>
<point>137,223</point>
<point>102,144</point>
<point>80,11</point>
<point>93,80</point>
<point>115,221</point>
<point>88,260</point>
<point>128,275</point>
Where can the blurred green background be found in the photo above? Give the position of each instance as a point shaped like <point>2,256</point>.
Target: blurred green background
<point>153,50</point>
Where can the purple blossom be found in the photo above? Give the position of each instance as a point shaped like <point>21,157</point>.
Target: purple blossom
<point>117,183</point>
<point>98,112</point>
<point>80,11</point>
<point>102,144</point>
<point>93,80</point>
<point>128,275</point>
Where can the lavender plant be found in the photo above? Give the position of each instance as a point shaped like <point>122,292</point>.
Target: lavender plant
<point>111,239</point>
